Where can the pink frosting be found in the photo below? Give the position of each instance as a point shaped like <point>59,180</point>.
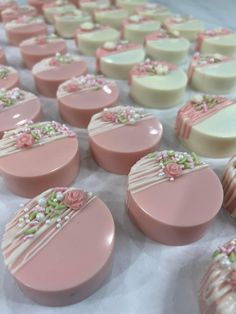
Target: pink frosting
<point>207,34</point>
<point>173,170</point>
<point>25,140</point>
<point>188,115</point>
<point>102,52</point>
<point>75,199</point>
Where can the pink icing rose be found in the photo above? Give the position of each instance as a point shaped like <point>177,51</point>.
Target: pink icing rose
<point>173,170</point>
<point>232,279</point>
<point>54,62</point>
<point>75,199</point>
<point>71,87</point>
<point>25,140</point>
<point>41,40</point>
<point>108,116</point>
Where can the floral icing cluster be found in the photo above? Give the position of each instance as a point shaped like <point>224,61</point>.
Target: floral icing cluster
<point>26,20</point>
<point>89,26</point>
<point>206,102</point>
<point>111,45</point>
<point>136,18</point>
<point>10,97</point>
<point>61,59</point>
<point>208,59</point>
<point>154,67</point>
<point>85,82</point>
<point>180,19</point>
<point>4,71</point>
<point>172,164</point>
<point>42,39</point>
<point>216,32</point>
<point>33,134</point>
<point>50,210</point>
<point>122,115</point>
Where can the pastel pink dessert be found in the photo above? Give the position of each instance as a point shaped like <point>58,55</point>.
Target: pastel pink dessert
<point>59,246</point>
<point>6,4</point>
<point>217,293</point>
<point>117,59</point>
<point>9,78</point>
<point>25,27</point>
<point>121,135</point>
<point>2,56</point>
<point>10,14</point>
<point>81,97</point>
<point>35,157</point>
<point>16,108</point>
<point>229,186</point>
<point>51,72</point>
<point>168,199</point>
<point>38,4</point>
<point>38,48</point>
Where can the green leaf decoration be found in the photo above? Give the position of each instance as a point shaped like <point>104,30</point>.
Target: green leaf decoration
<point>30,231</point>
<point>232,257</point>
<point>215,253</point>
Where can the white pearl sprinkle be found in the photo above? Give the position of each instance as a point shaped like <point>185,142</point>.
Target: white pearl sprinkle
<point>20,225</point>
<point>26,209</point>
<point>48,221</point>
<point>66,218</point>
<point>58,219</point>
<point>58,226</point>
<point>40,216</point>
<point>26,216</point>
<point>21,219</point>
<point>27,221</point>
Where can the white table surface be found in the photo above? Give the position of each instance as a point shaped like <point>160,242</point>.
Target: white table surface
<point>147,277</point>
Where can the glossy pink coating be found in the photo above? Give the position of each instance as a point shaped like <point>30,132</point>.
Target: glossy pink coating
<point>78,108</point>
<point>2,56</point>
<point>31,171</point>
<point>17,35</point>
<point>38,4</point>
<point>12,80</point>
<point>117,150</point>
<point>14,13</point>
<point>15,116</point>
<point>177,212</point>
<point>37,51</point>
<point>47,81</point>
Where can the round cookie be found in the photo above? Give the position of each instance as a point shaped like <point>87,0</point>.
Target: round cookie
<point>229,187</point>
<point>212,73</point>
<point>157,84</point>
<point>67,23</point>
<point>35,157</point>
<point>51,72</point>
<point>56,7</point>
<point>2,56</point>
<point>69,235</point>
<point>7,4</point>
<point>187,26</point>
<point>136,27</point>
<point>38,4</point>
<point>9,77</point>
<point>38,48</point>
<point>111,16</point>
<point>81,97</point>
<point>25,27</point>
<point>207,125</point>
<point>120,136</point>
<point>130,5</point>
<point>167,46</point>
<point>117,59</point>
<point>217,291</point>
<point>91,36</point>
<point>90,6</point>
<point>16,108</point>
<point>168,199</point>
<point>10,14</point>
<point>155,11</point>
<point>221,40</point>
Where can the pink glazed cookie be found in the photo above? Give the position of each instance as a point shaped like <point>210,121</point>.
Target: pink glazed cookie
<point>25,27</point>
<point>9,78</point>
<point>2,56</point>
<point>168,199</point>
<point>38,48</point>
<point>121,135</point>
<point>81,97</point>
<point>217,293</point>
<point>14,13</point>
<point>16,108</point>
<point>229,186</point>
<point>50,73</point>
<point>59,246</point>
<point>35,157</point>
<point>5,4</point>
<point>38,4</point>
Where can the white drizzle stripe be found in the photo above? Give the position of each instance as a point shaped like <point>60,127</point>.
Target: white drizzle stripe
<point>229,186</point>
<point>10,245</point>
<point>144,174</point>
<point>27,97</point>
<point>8,142</point>
<point>98,126</point>
<point>33,41</point>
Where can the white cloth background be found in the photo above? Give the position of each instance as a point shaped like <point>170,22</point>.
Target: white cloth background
<point>147,277</point>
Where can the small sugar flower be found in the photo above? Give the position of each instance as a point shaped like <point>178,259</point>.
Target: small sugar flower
<point>173,170</point>
<point>75,199</point>
<point>71,87</point>
<point>108,116</point>
<point>54,62</point>
<point>25,140</point>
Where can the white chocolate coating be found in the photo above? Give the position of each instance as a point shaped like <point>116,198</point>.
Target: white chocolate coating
<point>112,17</point>
<point>90,6</point>
<point>130,5</point>
<point>50,11</point>
<point>224,44</point>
